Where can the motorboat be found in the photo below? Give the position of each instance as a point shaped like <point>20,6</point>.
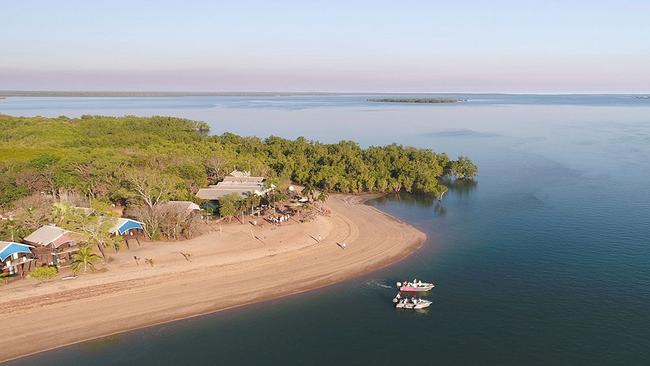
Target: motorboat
<point>413,303</point>
<point>415,286</point>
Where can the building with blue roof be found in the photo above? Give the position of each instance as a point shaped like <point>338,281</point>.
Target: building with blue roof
<point>15,258</point>
<point>128,229</point>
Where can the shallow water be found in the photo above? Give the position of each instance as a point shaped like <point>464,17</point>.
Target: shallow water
<point>546,260</point>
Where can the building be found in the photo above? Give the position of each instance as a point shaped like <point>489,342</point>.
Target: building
<point>128,229</point>
<point>53,246</point>
<point>16,258</point>
<point>240,183</point>
<point>185,207</point>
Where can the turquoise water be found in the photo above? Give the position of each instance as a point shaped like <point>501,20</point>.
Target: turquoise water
<point>545,261</point>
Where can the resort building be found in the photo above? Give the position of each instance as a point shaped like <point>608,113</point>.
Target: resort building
<point>185,207</point>
<point>128,229</point>
<point>53,246</point>
<point>240,183</point>
<point>15,258</point>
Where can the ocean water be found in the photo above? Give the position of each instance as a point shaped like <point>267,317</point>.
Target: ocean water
<point>545,260</point>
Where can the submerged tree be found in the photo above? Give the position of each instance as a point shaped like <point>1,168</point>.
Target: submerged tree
<point>463,168</point>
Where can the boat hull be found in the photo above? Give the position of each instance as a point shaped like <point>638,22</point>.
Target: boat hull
<point>415,289</point>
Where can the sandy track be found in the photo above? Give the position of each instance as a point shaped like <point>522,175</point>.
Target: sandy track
<point>229,268</point>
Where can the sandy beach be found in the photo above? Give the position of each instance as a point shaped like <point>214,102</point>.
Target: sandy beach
<point>235,265</point>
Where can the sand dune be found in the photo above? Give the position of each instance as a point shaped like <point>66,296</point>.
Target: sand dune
<point>237,265</point>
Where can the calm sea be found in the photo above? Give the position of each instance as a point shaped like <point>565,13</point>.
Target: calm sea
<point>544,261</point>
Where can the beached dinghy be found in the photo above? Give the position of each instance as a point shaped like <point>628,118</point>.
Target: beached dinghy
<point>412,303</point>
<point>415,286</point>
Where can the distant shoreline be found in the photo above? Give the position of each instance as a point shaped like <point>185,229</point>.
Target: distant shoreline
<point>417,100</point>
<point>417,95</point>
<point>11,93</point>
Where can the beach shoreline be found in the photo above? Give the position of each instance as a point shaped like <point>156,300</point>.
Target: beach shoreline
<point>230,268</point>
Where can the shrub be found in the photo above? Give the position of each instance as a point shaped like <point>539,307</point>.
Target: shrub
<point>43,273</point>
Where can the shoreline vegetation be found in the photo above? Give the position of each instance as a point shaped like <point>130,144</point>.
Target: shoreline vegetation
<point>83,173</point>
<point>100,184</point>
<point>111,159</point>
<point>417,100</point>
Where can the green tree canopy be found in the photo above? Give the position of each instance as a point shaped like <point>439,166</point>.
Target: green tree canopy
<point>144,161</point>
<point>229,206</point>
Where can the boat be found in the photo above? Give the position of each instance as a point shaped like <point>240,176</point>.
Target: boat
<point>413,303</point>
<point>415,286</point>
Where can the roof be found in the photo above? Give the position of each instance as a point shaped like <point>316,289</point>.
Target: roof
<point>240,183</point>
<point>243,179</point>
<point>239,173</point>
<point>10,248</point>
<point>182,205</point>
<point>123,225</point>
<point>218,191</point>
<point>46,235</point>
<point>86,210</point>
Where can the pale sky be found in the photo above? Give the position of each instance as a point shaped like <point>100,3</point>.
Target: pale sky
<point>544,46</point>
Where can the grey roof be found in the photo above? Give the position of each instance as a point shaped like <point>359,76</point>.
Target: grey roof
<point>243,180</point>
<point>45,235</point>
<point>182,205</point>
<point>240,183</point>
<point>214,193</point>
<point>239,173</point>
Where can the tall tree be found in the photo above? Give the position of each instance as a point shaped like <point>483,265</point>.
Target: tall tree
<point>94,228</point>
<point>151,187</point>
<point>229,206</point>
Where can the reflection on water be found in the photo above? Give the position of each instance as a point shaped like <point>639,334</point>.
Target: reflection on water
<point>462,187</point>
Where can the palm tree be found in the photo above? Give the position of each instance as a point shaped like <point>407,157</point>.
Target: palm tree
<point>322,196</point>
<point>84,259</point>
<point>308,191</point>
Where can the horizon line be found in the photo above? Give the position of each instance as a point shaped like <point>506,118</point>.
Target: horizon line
<point>144,93</point>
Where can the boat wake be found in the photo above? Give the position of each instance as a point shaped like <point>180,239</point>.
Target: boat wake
<point>375,283</point>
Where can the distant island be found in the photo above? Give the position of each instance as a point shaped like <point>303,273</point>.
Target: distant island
<point>417,100</point>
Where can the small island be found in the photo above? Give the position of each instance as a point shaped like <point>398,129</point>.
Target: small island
<point>416,100</point>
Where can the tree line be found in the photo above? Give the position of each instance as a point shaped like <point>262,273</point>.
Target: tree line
<point>141,162</point>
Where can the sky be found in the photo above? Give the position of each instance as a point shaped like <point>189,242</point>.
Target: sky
<point>524,46</point>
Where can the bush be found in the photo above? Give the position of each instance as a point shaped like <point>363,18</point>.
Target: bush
<point>43,273</point>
